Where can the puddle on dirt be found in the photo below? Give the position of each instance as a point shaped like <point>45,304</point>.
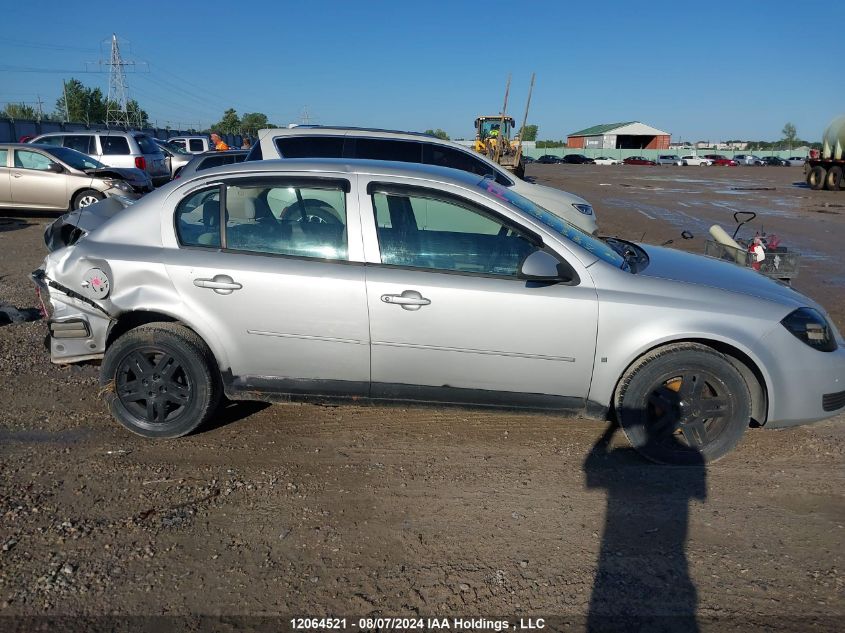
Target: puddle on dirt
<point>66,437</point>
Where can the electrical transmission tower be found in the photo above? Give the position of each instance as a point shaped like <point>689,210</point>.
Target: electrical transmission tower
<point>117,111</point>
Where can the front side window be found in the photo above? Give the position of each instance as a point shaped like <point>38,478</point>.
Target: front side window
<point>304,219</point>
<point>81,143</point>
<point>456,159</point>
<point>4,154</point>
<point>196,145</point>
<point>388,149</point>
<point>422,229</point>
<point>310,146</point>
<point>114,145</point>
<point>198,218</point>
<point>180,142</point>
<point>26,159</point>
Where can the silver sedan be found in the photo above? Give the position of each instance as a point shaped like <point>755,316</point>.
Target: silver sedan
<point>397,282</point>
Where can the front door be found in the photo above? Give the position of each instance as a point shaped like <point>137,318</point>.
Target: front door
<point>280,292</point>
<point>33,185</point>
<point>450,320</point>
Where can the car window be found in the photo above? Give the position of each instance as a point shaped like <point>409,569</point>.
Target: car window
<point>388,149</point>
<point>310,146</point>
<point>198,218</point>
<point>457,159</point>
<point>4,153</point>
<point>146,144</point>
<point>26,159</point>
<point>81,143</point>
<point>255,153</point>
<point>180,142</point>
<point>114,145</point>
<point>426,230</point>
<point>195,144</point>
<point>51,140</point>
<point>289,218</point>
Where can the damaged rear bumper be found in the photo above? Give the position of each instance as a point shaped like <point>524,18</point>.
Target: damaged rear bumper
<point>77,326</point>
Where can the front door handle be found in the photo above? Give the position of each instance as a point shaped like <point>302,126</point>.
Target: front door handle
<point>409,300</point>
<point>221,284</point>
<point>16,175</point>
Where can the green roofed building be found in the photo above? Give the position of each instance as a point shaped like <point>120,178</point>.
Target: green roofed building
<point>630,135</point>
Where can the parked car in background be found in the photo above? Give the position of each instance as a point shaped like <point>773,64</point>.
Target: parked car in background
<point>378,280</point>
<point>408,147</point>
<point>196,144</point>
<point>638,160</point>
<point>577,159</point>
<point>548,159</point>
<point>528,159</point>
<point>669,159</point>
<point>696,161</point>
<point>115,149</point>
<point>207,160</point>
<point>174,155</point>
<point>721,161</point>
<point>774,161</point>
<point>606,160</point>
<point>796,161</point>
<point>748,159</point>
<point>58,178</point>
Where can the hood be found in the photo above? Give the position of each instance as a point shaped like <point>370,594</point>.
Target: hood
<point>130,174</point>
<point>542,192</point>
<point>668,263</point>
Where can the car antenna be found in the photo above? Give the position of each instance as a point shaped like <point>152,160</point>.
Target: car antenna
<point>643,237</point>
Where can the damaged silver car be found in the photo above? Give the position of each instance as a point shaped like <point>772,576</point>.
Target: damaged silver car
<point>370,280</point>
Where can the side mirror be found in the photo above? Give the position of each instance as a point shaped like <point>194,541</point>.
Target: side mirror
<point>55,168</point>
<point>545,267</point>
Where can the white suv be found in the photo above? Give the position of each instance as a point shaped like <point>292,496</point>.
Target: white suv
<point>697,161</point>
<point>409,147</point>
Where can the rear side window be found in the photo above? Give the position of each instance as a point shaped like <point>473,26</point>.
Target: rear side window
<point>456,159</point>
<point>195,144</point>
<point>310,146</point>
<point>4,154</point>
<point>220,159</point>
<point>198,219</point>
<point>387,149</point>
<point>180,142</point>
<point>147,145</point>
<point>114,145</point>
<point>51,140</point>
<point>80,143</point>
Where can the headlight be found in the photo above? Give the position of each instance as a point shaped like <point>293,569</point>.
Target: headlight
<point>812,328</point>
<point>586,209</point>
<point>118,184</point>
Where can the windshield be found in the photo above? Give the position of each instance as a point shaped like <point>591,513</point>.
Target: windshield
<point>75,159</point>
<point>174,148</point>
<point>555,223</point>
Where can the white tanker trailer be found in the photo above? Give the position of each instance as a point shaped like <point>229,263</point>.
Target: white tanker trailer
<point>825,171</point>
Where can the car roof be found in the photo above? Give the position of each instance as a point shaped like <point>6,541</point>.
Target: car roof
<point>319,130</point>
<point>351,166</point>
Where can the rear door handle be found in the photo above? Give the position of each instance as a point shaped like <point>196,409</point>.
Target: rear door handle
<point>221,284</point>
<point>409,300</point>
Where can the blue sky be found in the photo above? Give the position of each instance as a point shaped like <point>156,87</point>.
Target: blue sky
<point>707,70</point>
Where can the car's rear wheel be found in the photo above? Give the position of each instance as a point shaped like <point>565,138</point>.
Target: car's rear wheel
<point>683,404</point>
<point>160,380</point>
<point>816,177</point>
<point>85,198</point>
<point>833,180</point>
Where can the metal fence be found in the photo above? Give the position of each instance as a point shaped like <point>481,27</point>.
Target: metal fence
<point>620,154</point>
<point>12,130</point>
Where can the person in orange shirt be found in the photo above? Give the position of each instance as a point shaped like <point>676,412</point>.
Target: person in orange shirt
<point>219,145</point>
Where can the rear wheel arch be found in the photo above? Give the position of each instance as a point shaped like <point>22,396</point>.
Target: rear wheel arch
<point>744,364</point>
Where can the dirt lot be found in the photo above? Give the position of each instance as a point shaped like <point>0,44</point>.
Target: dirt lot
<point>305,510</point>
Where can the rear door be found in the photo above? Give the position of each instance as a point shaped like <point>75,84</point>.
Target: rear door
<point>5,177</point>
<point>450,320</point>
<point>283,286</point>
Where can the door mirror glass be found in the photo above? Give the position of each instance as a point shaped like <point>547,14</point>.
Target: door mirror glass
<point>543,266</point>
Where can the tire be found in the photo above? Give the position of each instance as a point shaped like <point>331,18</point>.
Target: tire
<point>663,400</point>
<point>816,177</point>
<point>833,180</point>
<point>85,198</point>
<point>179,375</point>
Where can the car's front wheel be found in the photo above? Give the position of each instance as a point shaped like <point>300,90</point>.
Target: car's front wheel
<point>85,198</point>
<point>160,380</point>
<point>683,404</point>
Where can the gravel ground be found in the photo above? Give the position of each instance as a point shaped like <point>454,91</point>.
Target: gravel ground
<point>320,510</point>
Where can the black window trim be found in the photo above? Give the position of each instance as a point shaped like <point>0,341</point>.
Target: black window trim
<point>344,147</point>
